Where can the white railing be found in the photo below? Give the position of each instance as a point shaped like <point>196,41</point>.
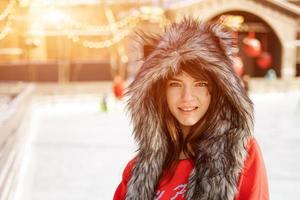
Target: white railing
<point>13,134</point>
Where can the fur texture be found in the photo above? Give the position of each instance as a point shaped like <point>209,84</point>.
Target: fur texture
<point>213,177</point>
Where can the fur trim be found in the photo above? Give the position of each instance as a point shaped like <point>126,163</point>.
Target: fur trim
<point>213,177</point>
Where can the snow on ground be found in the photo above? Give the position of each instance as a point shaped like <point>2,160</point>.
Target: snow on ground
<point>278,132</point>
<point>79,153</point>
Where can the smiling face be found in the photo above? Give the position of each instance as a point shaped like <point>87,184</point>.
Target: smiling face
<point>188,99</point>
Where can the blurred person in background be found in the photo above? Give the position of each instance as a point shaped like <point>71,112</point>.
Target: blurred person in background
<point>193,121</point>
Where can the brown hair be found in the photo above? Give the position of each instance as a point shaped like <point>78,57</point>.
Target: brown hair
<point>176,142</point>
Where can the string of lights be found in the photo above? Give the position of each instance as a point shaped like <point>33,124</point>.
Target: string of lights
<point>8,9</point>
<point>7,14</point>
<point>98,44</point>
<point>6,29</point>
<point>104,29</point>
<point>117,30</point>
<point>136,15</point>
<point>117,37</point>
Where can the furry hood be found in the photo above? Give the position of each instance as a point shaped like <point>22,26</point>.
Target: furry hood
<point>213,47</point>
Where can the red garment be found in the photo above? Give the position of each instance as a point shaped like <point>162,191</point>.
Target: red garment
<point>253,183</point>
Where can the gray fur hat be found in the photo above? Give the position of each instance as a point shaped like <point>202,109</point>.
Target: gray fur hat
<point>214,176</point>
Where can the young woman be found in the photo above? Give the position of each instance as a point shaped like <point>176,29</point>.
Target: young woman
<point>192,120</point>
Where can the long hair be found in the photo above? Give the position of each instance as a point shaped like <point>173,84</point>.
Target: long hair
<point>217,142</point>
<point>171,127</point>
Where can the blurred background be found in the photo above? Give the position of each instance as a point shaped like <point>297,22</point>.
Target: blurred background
<point>64,65</point>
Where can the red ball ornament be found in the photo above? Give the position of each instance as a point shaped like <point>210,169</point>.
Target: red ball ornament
<point>118,90</point>
<point>118,87</point>
<point>264,60</point>
<point>238,65</point>
<point>251,45</point>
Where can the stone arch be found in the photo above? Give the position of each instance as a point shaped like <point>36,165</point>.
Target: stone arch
<point>268,21</point>
<point>270,43</point>
<point>276,19</point>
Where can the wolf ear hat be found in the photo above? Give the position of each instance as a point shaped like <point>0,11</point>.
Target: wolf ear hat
<point>213,177</point>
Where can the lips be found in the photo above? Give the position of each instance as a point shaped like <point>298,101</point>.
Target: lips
<point>188,109</point>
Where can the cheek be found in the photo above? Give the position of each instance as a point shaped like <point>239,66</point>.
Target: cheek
<point>171,99</point>
<point>206,95</point>
<point>168,98</point>
<point>206,99</point>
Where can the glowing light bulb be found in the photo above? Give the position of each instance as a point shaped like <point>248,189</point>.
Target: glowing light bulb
<point>54,17</point>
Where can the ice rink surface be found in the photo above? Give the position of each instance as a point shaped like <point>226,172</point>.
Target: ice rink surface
<point>76,152</point>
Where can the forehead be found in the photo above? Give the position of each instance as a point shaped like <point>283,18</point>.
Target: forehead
<point>186,76</point>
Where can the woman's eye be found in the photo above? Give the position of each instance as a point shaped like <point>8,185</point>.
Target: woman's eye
<point>201,84</point>
<point>174,84</point>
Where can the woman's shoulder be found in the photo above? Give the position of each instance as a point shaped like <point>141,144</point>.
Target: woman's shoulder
<point>122,187</point>
<point>254,158</point>
<point>253,147</point>
<point>253,181</point>
<point>128,168</point>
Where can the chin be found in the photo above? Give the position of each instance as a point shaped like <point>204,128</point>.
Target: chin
<point>188,123</point>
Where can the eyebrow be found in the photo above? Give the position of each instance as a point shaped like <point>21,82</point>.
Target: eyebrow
<point>175,79</point>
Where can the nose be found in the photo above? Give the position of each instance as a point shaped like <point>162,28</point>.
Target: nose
<point>187,94</point>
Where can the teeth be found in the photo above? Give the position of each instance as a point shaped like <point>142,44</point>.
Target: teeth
<point>188,109</point>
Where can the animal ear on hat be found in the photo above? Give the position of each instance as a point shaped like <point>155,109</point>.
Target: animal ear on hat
<point>148,41</point>
<point>224,38</point>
